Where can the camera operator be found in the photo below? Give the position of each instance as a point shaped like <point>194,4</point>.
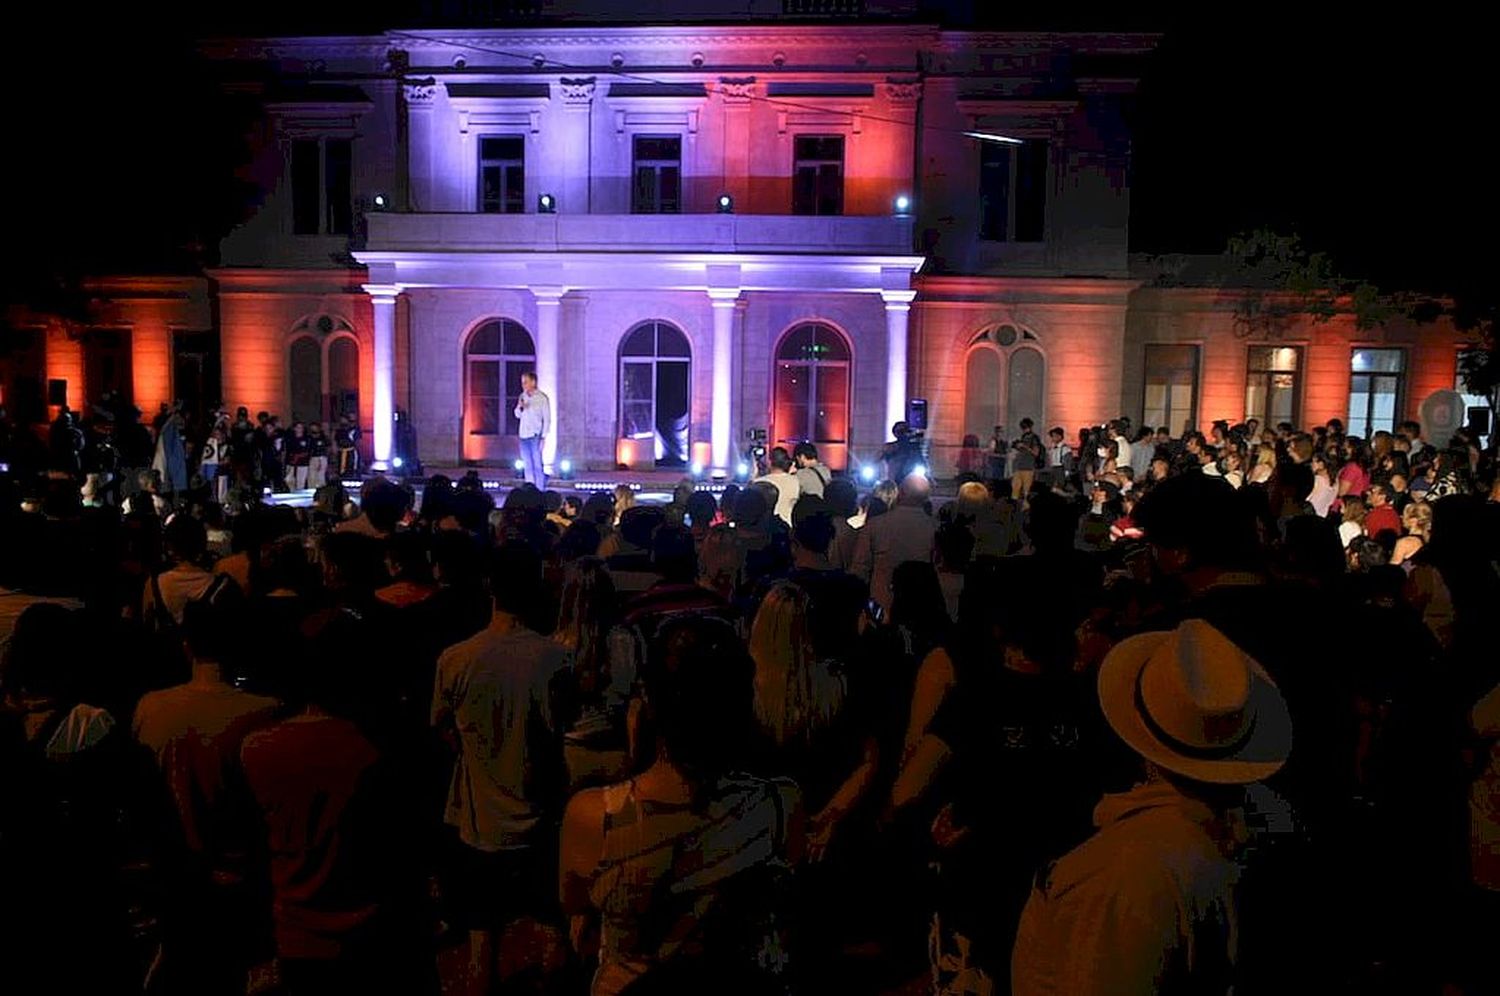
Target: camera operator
<point>903,453</point>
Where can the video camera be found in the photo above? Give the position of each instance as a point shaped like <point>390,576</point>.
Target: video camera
<point>755,451</point>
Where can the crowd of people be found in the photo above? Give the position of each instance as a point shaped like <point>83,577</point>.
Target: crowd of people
<point>1140,714</point>
<point>118,455</point>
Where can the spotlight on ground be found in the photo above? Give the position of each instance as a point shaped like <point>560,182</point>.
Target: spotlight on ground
<point>397,463</point>
<point>520,467</point>
<point>726,204</point>
<point>380,202</point>
<point>546,204</point>
<point>921,469</point>
<point>867,474</point>
<point>902,204</point>
<point>742,472</point>
<point>565,469</point>
<point>696,469</point>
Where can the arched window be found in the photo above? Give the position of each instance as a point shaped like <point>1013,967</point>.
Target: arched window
<point>343,377</point>
<point>498,352</point>
<point>305,365</point>
<point>1023,396</point>
<point>656,390</point>
<point>323,369</point>
<point>811,401</point>
<point>1004,373</point>
<point>982,392</point>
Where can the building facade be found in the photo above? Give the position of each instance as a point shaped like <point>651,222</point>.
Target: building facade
<point>695,233</point>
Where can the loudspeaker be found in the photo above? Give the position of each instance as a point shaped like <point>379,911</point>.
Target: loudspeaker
<point>1479,421</point>
<point>57,392</point>
<point>916,414</point>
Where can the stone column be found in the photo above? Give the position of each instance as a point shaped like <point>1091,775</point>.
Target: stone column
<point>897,311</point>
<point>419,97</point>
<point>548,309</point>
<point>383,297</point>
<point>724,302</point>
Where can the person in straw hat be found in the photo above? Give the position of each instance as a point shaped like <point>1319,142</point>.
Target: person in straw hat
<point>1147,904</point>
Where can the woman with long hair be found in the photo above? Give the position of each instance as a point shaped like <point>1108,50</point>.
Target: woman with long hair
<point>679,866</point>
<point>1265,465</point>
<point>1324,491</point>
<point>1417,521</point>
<point>624,502</point>
<point>796,696</point>
<point>594,744</point>
<point>1354,476</point>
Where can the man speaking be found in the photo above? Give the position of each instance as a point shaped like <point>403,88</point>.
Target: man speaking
<point>534,411</point>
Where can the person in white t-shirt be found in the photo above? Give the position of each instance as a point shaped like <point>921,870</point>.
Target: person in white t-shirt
<point>1354,520</point>
<point>1125,450</point>
<point>185,581</point>
<point>788,489</point>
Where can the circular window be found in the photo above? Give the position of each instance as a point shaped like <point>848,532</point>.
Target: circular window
<point>1005,335</point>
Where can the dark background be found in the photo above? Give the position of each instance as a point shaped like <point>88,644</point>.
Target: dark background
<point>1369,137</point>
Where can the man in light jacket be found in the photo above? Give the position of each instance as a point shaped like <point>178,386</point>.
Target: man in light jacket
<point>534,410</point>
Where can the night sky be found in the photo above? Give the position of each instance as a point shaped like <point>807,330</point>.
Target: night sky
<point>1367,138</point>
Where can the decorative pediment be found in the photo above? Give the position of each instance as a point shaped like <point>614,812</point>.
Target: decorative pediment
<point>484,106</point>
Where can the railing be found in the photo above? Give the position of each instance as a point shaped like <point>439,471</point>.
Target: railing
<point>396,232</point>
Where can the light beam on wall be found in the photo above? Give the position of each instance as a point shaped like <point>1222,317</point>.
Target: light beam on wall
<point>989,136</point>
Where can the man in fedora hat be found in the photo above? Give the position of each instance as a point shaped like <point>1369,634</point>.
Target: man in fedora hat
<point>1147,904</point>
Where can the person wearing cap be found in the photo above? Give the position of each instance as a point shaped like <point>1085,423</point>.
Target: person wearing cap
<point>1147,904</point>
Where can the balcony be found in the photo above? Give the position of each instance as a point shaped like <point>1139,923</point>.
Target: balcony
<point>678,233</point>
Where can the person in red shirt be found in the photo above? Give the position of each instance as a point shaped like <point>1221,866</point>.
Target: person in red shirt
<point>1382,515</point>
<point>341,863</point>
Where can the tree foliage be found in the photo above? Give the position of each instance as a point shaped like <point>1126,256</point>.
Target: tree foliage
<point>1298,284</point>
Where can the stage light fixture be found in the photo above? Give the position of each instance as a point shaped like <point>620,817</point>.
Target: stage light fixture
<point>902,204</point>
<point>867,474</point>
<point>696,469</point>
<point>397,462</point>
<point>921,469</point>
<point>565,469</point>
<point>726,204</point>
<point>546,204</point>
<point>380,202</point>
<point>742,471</point>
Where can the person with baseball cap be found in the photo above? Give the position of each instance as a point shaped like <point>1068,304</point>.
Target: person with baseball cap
<point>1147,904</point>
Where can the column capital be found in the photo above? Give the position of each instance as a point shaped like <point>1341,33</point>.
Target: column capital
<point>383,293</point>
<point>724,297</point>
<point>419,94</point>
<point>548,296</point>
<point>898,300</point>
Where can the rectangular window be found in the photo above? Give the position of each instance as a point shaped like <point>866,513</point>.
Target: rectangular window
<point>307,196</point>
<point>338,180</point>
<point>1474,404</point>
<point>1013,191</point>
<point>1171,387</point>
<point>658,175</point>
<point>322,186</point>
<point>1273,385</point>
<point>818,174</point>
<point>1375,382</point>
<point>485,397</point>
<point>502,174</point>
